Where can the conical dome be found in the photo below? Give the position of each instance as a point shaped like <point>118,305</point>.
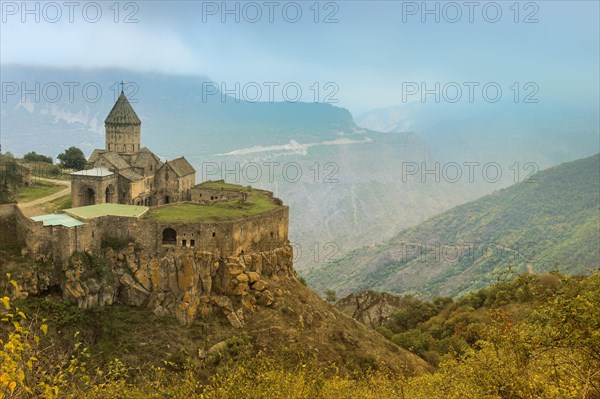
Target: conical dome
<point>123,128</point>
<point>122,113</point>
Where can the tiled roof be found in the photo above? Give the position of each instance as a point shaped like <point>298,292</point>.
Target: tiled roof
<point>143,157</point>
<point>130,175</point>
<point>181,167</point>
<point>94,157</point>
<point>122,113</point>
<point>145,149</point>
<point>116,160</point>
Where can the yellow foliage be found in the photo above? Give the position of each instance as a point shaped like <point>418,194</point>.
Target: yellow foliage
<point>552,355</point>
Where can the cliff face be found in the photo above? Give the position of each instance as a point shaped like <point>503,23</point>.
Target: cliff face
<point>187,285</point>
<point>370,307</point>
<point>258,294</point>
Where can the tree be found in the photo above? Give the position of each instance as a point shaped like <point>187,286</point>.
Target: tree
<point>54,171</point>
<point>10,178</point>
<point>72,158</point>
<point>330,296</point>
<point>34,157</point>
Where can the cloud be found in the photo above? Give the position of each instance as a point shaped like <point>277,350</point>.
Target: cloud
<point>105,44</point>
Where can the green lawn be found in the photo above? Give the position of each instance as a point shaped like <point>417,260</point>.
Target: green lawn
<point>257,203</point>
<point>37,190</point>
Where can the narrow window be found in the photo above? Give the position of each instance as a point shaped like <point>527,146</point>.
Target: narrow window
<point>183,243</point>
<point>192,243</point>
<point>213,234</point>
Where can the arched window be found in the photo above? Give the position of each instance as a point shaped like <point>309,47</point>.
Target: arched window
<point>169,236</point>
<point>109,194</point>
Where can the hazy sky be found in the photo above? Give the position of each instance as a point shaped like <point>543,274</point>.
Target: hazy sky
<point>370,51</point>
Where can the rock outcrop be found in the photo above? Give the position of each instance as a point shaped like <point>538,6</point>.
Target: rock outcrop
<point>370,307</point>
<point>186,285</point>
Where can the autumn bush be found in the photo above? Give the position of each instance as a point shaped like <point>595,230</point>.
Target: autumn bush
<point>550,351</point>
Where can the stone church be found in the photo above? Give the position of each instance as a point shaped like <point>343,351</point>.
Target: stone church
<point>127,173</point>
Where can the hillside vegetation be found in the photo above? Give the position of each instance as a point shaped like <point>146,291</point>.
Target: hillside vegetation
<point>551,221</point>
<point>533,338</point>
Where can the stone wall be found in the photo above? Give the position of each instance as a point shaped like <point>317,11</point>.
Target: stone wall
<point>134,193</point>
<point>206,196</point>
<point>258,233</point>
<point>123,138</point>
<point>79,184</point>
<point>166,186</point>
<point>185,186</point>
<point>31,234</point>
<point>227,238</point>
<point>61,242</point>
<point>56,243</point>
<point>138,190</point>
<point>261,232</point>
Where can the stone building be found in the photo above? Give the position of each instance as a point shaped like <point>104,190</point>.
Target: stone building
<point>165,242</point>
<point>127,173</point>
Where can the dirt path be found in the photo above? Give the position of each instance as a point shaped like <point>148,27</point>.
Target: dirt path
<point>33,208</point>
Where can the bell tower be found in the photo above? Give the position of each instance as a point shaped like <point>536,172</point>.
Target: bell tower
<point>122,127</point>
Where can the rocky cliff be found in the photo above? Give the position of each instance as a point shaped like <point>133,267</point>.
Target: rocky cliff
<point>186,285</point>
<point>217,302</point>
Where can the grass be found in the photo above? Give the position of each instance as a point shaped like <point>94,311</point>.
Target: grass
<point>258,202</point>
<point>58,204</point>
<point>37,190</point>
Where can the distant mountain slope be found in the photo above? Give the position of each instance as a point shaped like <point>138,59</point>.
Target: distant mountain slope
<point>546,133</point>
<point>350,190</point>
<point>551,222</point>
<point>342,182</point>
<point>49,109</point>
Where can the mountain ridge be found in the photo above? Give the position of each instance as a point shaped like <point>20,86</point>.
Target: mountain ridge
<point>549,223</point>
